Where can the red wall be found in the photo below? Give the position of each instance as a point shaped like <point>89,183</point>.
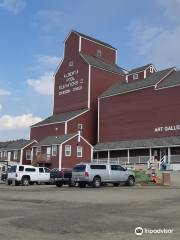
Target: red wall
<point>90,48</point>
<point>89,122</point>
<point>135,115</point>
<point>74,99</point>
<point>140,76</point>
<point>38,133</point>
<point>69,162</point>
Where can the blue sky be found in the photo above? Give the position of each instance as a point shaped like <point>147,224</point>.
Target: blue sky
<point>31,45</point>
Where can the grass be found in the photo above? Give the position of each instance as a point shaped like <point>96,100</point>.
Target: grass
<point>142,177</point>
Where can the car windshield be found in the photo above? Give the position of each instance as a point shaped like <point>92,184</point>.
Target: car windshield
<point>12,169</point>
<point>79,168</point>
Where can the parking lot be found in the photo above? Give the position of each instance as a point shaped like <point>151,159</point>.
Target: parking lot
<point>47,212</point>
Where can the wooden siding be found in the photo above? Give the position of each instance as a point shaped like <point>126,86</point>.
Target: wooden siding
<point>135,115</point>
<point>69,162</point>
<point>90,48</point>
<point>38,133</point>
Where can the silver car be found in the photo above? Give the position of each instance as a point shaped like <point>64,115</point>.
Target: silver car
<point>97,174</point>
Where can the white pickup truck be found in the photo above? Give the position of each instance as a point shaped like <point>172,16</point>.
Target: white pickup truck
<point>28,175</point>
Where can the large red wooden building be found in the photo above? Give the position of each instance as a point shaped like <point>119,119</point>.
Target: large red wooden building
<point>103,111</point>
<point>86,71</point>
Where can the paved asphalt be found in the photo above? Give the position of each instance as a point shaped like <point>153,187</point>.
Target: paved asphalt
<point>50,213</point>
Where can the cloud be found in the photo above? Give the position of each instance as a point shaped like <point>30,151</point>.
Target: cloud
<point>50,19</point>
<point>8,122</point>
<point>159,44</point>
<point>47,60</point>
<point>0,107</point>
<point>44,84</point>
<point>4,92</point>
<point>14,6</point>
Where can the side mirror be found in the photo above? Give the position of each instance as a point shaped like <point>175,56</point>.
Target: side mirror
<point>125,168</point>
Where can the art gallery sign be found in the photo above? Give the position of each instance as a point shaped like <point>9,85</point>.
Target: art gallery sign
<point>167,128</point>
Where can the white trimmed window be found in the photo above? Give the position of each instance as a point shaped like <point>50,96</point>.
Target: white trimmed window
<point>54,150</point>
<point>15,155</point>
<point>28,154</point>
<point>135,76</point>
<point>70,63</point>
<point>99,53</point>
<point>79,151</point>
<point>151,69</point>
<point>67,150</point>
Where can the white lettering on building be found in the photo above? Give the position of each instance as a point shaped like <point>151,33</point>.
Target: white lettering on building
<point>167,128</point>
<point>71,83</point>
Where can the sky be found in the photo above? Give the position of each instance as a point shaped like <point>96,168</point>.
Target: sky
<point>31,47</point>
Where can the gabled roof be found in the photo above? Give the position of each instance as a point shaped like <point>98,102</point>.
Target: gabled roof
<point>93,39</point>
<point>62,117</point>
<point>100,63</point>
<point>123,87</point>
<point>142,143</point>
<point>48,141</point>
<point>17,144</point>
<point>172,80</point>
<point>139,69</point>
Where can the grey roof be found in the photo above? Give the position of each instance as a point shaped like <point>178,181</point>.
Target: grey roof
<point>62,117</point>
<point>142,143</point>
<point>48,141</point>
<point>172,79</point>
<point>93,39</point>
<point>139,69</point>
<point>3,144</point>
<point>98,62</point>
<point>17,144</point>
<point>123,87</point>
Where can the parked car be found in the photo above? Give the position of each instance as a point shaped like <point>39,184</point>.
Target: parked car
<point>61,177</point>
<point>27,174</point>
<point>98,174</point>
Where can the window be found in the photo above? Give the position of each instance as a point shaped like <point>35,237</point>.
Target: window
<point>79,168</point>
<point>71,63</point>
<point>67,150</point>
<point>13,169</point>
<point>15,155</point>
<point>47,170</point>
<point>99,53</point>
<point>79,126</point>
<point>151,69</point>
<point>38,149</point>
<point>79,151</point>
<point>28,154</point>
<point>30,169</point>
<point>135,76</point>
<point>117,168</point>
<point>41,170</point>
<point>54,150</point>
<point>98,167</point>
<point>21,168</point>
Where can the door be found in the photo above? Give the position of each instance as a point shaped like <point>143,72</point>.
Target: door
<point>9,156</point>
<point>48,153</point>
<point>117,173</point>
<point>41,174</point>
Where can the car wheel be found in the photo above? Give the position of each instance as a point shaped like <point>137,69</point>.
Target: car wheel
<point>96,182</point>
<point>116,184</point>
<point>9,183</point>
<point>130,181</point>
<point>25,181</point>
<point>82,185</point>
<point>16,183</point>
<point>72,184</point>
<point>59,184</point>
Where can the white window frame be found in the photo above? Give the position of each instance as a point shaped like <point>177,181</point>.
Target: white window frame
<point>79,151</point>
<point>99,53</point>
<point>67,150</point>
<point>151,69</point>
<point>54,150</point>
<point>80,126</point>
<point>28,150</point>
<point>71,63</point>
<point>15,154</point>
<point>135,76</point>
